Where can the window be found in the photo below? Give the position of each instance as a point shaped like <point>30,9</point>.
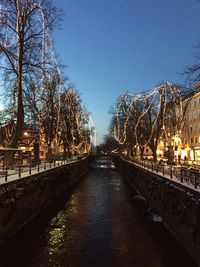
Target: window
<point>196,139</point>
<point>190,116</point>
<point>191,140</point>
<point>190,128</point>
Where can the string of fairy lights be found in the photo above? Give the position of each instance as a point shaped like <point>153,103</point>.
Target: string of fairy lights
<point>80,116</point>
<point>157,102</point>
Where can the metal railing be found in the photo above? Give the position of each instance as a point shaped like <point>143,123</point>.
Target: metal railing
<point>188,176</point>
<point>17,171</point>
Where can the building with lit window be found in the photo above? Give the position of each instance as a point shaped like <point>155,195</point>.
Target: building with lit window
<point>191,130</point>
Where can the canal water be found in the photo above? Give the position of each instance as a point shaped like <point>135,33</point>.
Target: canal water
<point>100,222</point>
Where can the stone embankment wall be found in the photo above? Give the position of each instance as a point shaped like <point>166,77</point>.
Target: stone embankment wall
<point>23,199</point>
<point>178,206</point>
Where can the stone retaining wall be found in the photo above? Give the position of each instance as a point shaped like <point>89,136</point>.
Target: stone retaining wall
<point>23,199</point>
<point>178,206</point>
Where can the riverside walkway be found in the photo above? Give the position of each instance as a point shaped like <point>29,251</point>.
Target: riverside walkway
<point>187,177</point>
<point>26,170</point>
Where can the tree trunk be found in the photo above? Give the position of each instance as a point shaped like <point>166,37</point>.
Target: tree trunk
<point>141,152</point>
<point>64,149</point>
<point>154,154</point>
<point>9,158</point>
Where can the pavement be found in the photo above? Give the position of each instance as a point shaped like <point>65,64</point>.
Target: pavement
<point>175,178</point>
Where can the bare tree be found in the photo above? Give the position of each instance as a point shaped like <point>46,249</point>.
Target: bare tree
<point>74,133</point>
<point>139,120</point>
<point>49,107</point>
<point>192,74</point>
<point>24,26</point>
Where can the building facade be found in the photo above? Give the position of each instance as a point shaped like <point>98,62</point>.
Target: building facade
<point>191,129</point>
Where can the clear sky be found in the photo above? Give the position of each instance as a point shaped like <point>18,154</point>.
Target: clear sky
<point>111,46</point>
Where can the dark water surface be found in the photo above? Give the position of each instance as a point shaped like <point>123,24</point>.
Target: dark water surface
<point>98,223</point>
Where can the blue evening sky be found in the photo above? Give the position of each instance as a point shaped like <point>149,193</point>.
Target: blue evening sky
<point>111,46</point>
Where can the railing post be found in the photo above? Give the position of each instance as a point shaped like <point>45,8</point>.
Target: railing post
<point>6,175</point>
<point>181,175</point>
<point>30,169</point>
<point>54,162</point>
<point>38,166</point>
<point>19,171</point>
<point>163,170</point>
<point>50,164</point>
<point>45,164</point>
<point>195,180</point>
<point>171,172</point>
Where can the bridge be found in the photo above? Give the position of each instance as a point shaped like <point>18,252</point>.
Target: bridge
<point>99,221</point>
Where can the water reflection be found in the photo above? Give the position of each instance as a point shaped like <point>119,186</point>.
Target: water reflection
<point>60,230</point>
<point>103,163</point>
<point>55,234</point>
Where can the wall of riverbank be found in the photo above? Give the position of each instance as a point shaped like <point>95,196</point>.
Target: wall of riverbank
<point>178,206</point>
<point>23,199</point>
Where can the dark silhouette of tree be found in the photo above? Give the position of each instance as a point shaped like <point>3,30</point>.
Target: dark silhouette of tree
<point>109,145</point>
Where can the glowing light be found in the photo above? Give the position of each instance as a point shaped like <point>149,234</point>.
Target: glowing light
<point>157,102</point>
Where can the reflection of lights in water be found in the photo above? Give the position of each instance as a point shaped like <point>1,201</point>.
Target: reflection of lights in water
<point>104,163</point>
<point>106,166</point>
<point>73,205</point>
<point>60,230</point>
<point>56,234</point>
